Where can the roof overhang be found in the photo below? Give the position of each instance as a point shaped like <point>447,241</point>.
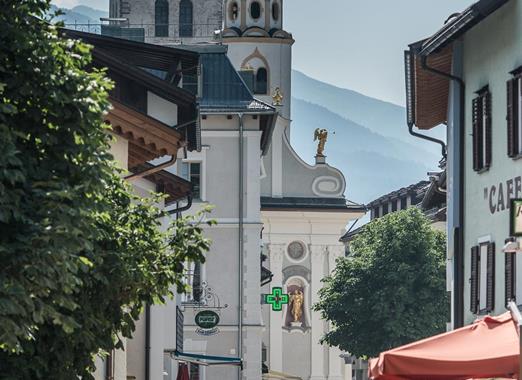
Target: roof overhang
<point>459,25</point>
<point>427,93</point>
<point>299,204</point>
<point>174,187</point>
<point>148,138</point>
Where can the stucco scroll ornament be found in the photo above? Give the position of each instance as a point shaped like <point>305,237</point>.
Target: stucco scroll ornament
<point>277,97</point>
<point>320,135</point>
<point>297,300</point>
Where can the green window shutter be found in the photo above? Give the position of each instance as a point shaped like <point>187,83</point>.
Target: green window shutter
<point>474,280</point>
<point>490,278</point>
<point>509,277</point>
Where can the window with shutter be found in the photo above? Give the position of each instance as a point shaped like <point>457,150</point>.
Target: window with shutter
<point>509,277</point>
<point>517,276</point>
<point>490,278</point>
<point>474,280</point>
<point>481,130</point>
<point>514,116</point>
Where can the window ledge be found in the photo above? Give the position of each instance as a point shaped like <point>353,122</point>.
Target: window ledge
<point>517,157</point>
<point>483,170</point>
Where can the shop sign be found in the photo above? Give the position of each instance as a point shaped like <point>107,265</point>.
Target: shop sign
<point>207,320</point>
<point>516,217</point>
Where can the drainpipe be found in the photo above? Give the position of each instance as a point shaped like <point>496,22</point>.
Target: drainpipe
<point>458,261</point>
<point>179,210</point>
<point>429,138</point>
<point>240,243</point>
<point>147,341</point>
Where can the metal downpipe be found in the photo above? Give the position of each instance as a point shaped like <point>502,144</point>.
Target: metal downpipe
<point>240,243</point>
<point>458,264</point>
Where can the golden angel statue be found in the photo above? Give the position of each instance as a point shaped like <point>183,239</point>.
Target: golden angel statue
<point>320,135</point>
<point>297,300</point>
<point>277,97</point>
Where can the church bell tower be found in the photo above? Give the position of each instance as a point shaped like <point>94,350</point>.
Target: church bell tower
<point>260,49</point>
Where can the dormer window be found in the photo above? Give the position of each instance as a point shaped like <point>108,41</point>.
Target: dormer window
<point>255,10</point>
<point>275,11</point>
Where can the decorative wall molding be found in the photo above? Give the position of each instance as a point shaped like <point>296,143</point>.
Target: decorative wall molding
<point>327,186</point>
<point>296,270</point>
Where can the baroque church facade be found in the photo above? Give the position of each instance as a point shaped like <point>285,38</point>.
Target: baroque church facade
<point>291,213</point>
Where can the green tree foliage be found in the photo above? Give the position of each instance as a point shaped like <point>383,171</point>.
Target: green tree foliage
<point>79,254</point>
<point>391,289</point>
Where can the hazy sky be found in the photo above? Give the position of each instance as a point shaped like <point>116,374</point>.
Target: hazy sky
<point>356,44</point>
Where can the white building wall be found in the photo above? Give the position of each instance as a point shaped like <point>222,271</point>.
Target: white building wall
<point>294,351</point>
<point>492,49</point>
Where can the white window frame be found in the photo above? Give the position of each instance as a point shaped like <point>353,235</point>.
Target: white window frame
<point>201,158</point>
<point>482,286</point>
<point>483,276</point>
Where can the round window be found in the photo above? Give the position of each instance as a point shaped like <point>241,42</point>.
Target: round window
<point>275,11</point>
<point>255,10</point>
<point>296,250</point>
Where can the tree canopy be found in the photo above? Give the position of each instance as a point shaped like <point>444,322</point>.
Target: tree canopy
<point>391,289</point>
<point>79,253</point>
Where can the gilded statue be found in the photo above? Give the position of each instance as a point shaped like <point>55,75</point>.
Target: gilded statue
<point>277,97</point>
<point>320,135</point>
<point>297,299</point>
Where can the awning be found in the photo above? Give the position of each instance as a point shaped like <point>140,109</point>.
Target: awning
<point>485,349</point>
<point>206,360</point>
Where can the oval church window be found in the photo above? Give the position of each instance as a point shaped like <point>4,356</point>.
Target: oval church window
<point>255,10</point>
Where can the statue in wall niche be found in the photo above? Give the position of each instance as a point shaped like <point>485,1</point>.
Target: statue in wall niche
<point>296,301</point>
<point>320,135</point>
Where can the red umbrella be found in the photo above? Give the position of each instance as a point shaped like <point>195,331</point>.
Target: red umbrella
<point>183,372</point>
<point>487,348</point>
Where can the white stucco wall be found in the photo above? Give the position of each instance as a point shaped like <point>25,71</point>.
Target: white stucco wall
<point>278,55</point>
<point>294,351</point>
<point>119,148</point>
<point>161,109</point>
<point>491,50</point>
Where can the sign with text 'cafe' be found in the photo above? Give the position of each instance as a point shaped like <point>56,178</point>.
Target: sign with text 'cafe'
<point>516,217</point>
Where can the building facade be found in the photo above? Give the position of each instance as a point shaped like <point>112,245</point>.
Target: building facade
<point>267,199</point>
<point>151,119</point>
<point>480,53</point>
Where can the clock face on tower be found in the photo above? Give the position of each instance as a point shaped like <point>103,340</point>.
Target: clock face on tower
<point>296,250</point>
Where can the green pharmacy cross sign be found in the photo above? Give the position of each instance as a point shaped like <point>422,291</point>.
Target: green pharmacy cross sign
<point>277,299</point>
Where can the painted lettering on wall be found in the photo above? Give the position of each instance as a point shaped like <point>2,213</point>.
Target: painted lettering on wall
<point>499,196</point>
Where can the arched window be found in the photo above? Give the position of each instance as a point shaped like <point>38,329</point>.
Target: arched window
<point>234,11</point>
<point>185,18</point>
<point>255,10</point>
<point>261,85</point>
<point>161,18</point>
<point>275,11</point>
